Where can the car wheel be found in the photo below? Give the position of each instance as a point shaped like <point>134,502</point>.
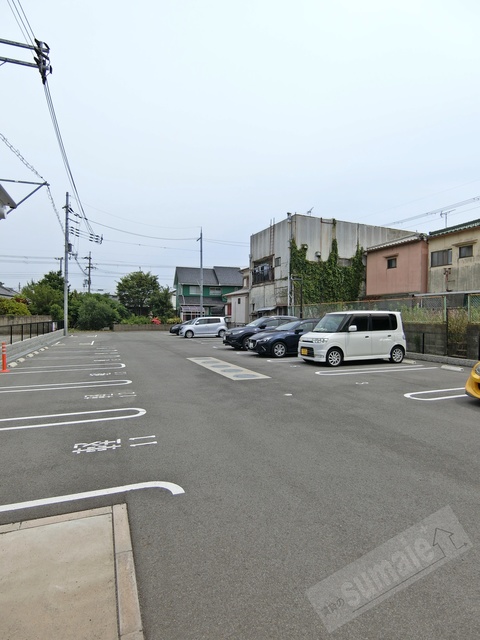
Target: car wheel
<point>221,333</point>
<point>279,349</point>
<point>188,334</point>
<point>334,357</point>
<point>397,354</point>
<point>245,343</point>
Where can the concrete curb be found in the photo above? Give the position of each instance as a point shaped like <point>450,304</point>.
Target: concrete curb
<point>459,362</point>
<point>31,346</point>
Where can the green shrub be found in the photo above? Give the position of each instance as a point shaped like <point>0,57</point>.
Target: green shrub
<point>12,307</point>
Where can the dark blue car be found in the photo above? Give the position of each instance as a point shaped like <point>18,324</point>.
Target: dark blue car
<point>283,340</point>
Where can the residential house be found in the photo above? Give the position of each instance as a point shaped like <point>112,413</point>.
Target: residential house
<point>454,258</point>
<point>398,267</point>
<point>6,292</point>
<point>238,301</point>
<point>217,282</point>
<point>271,290</point>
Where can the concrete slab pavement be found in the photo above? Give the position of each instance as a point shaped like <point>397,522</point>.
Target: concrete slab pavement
<point>70,576</point>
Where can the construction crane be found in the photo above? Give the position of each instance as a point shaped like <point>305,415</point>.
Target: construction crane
<point>444,211</point>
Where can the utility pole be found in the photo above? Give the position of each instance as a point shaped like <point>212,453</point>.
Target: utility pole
<point>65,282</point>
<point>42,59</point>
<point>89,270</point>
<point>201,271</point>
<point>289,265</point>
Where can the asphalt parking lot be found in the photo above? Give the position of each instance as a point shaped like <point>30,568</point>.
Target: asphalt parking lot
<point>292,473</point>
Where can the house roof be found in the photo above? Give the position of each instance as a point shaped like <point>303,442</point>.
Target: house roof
<point>458,227</point>
<point>414,237</point>
<point>218,276</point>
<point>6,292</point>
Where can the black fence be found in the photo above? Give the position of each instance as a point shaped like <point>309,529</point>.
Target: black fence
<point>18,332</point>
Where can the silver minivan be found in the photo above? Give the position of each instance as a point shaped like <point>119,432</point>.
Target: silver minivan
<point>354,335</point>
<point>205,326</point>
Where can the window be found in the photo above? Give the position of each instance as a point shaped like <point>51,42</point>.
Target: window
<point>391,263</point>
<point>215,291</point>
<point>278,262</point>
<point>239,301</point>
<point>361,322</point>
<point>466,251</point>
<point>440,258</point>
<point>380,323</point>
<point>262,272</point>
<point>194,289</point>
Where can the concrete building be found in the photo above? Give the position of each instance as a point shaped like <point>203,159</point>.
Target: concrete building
<point>271,290</point>
<point>454,258</point>
<point>397,268</point>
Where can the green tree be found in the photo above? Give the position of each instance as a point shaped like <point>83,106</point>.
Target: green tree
<point>161,304</point>
<point>135,291</point>
<point>95,313</point>
<point>46,292</point>
<point>76,301</point>
<point>13,307</point>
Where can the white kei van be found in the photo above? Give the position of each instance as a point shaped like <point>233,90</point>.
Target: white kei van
<point>354,335</point>
<point>204,326</point>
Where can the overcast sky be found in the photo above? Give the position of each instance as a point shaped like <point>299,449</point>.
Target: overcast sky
<point>226,115</point>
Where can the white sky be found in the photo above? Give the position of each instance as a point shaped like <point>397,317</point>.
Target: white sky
<point>225,115</point>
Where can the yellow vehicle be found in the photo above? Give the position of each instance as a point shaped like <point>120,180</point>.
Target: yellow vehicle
<point>472,388</point>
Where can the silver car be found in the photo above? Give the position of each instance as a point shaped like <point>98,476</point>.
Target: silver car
<point>214,326</point>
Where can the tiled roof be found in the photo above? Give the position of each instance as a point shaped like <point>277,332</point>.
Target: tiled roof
<point>414,237</point>
<point>218,276</point>
<point>191,275</point>
<point>6,292</point>
<point>229,276</point>
<point>459,227</point>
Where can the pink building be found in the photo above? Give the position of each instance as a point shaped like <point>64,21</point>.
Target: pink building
<point>398,267</point>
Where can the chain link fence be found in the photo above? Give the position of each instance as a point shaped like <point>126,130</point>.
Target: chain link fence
<point>473,308</point>
<point>431,309</point>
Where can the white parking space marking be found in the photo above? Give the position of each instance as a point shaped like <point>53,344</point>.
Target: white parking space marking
<point>63,368</point>
<point>104,415</point>
<point>387,369</point>
<point>63,386</point>
<point>414,395</point>
<point>174,489</point>
<point>226,369</point>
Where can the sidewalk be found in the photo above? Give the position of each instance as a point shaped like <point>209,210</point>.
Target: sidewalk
<point>70,576</point>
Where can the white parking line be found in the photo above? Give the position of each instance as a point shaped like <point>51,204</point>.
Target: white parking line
<point>61,368</point>
<point>174,489</point>
<point>104,415</point>
<point>387,369</point>
<point>64,386</point>
<point>413,395</point>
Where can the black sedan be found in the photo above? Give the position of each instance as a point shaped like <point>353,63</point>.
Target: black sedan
<point>175,328</point>
<point>283,340</point>
<point>238,338</point>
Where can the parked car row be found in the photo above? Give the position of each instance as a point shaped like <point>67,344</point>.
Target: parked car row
<point>335,338</point>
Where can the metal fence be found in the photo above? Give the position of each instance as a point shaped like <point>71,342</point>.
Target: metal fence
<point>473,307</point>
<point>431,309</point>
<point>25,330</point>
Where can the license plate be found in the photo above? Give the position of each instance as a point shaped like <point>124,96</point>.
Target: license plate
<point>251,344</point>
<point>303,351</point>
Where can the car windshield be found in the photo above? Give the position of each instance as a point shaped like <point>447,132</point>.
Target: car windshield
<point>330,323</point>
<point>257,322</point>
<point>288,326</point>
